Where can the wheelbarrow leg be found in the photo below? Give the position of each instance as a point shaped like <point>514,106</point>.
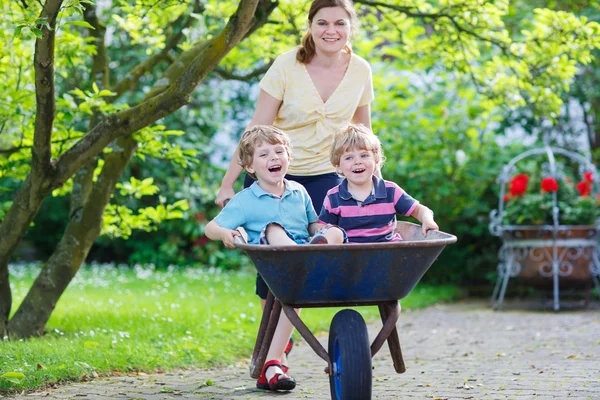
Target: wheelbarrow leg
<point>305,332</point>
<point>268,324</point>
<point>389,315</point>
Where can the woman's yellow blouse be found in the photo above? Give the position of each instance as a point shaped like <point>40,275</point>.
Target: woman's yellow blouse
<point>308,121</point>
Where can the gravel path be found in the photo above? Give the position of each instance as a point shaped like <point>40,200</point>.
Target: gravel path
<point>457,351</point>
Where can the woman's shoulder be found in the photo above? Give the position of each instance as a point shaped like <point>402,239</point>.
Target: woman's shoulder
<point>361,62</point>
<point>287,58</point>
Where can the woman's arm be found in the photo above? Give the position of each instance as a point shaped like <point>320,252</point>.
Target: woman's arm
<point>266,110</point>
<point>362,116</point>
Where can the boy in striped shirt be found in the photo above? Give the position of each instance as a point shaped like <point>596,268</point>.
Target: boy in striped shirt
<point>365,205</point>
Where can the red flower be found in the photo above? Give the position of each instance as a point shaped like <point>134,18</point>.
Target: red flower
<point>588,177</point>
<point>549,185</point>
<point>584,188</point>
<point>518,184</point>
<point>506,197</point>
<point>199,217</point>
<point>200,241</point>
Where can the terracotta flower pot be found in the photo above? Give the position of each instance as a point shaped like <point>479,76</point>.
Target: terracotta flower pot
<point>574,251</point>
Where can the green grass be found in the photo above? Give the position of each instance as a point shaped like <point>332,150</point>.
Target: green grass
<point>117,320</point>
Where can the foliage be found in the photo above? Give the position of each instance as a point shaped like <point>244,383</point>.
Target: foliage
<point>467,62</point>
<point>530,201</point>
<point>181,317</point>
<point>440,144</point>
<point>577,118</point>
<point>531,64</point>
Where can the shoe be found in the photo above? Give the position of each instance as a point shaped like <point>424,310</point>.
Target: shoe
<point>319,238</point>
<point>288,348</point>
<point>287,351</point>
<point>277,382</point>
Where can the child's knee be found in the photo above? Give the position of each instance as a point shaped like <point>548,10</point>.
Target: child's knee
<point>335,235</point>
<point>274,228</point>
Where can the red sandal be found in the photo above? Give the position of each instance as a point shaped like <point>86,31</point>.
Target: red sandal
<point>287,351</point>
<point>277,382</point>
<point>288,348</point>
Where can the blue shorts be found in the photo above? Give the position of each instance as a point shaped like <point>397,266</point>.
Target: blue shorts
<point>317,187</point>
<point>263,234</point>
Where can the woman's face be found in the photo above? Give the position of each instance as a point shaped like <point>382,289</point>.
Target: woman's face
<point>331,29</point>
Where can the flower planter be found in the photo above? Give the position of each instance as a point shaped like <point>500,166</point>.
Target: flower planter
<point>534,255</point>
<point>552,256</point>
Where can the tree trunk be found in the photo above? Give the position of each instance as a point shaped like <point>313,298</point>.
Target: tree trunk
<point>5,300</point>
<point>13,228</point>
<point>81,232</point>
<point>38,184</point>
<point>86,222</point>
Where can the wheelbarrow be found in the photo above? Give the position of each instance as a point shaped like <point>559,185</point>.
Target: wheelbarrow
<point>376,274</point>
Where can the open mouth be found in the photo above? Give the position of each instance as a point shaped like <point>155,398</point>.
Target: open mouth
<point>358,170</point>
<point>275,168</point>
<point>331,40</point>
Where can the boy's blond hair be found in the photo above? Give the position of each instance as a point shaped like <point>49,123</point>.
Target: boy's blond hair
<point>357,137</point>
<point>254,137</point>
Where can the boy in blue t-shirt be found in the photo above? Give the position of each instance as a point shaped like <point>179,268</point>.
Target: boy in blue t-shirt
<point>364,205</point>
<point>275,211</point>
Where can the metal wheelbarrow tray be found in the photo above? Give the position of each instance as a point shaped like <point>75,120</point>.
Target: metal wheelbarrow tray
<point>344,275</point>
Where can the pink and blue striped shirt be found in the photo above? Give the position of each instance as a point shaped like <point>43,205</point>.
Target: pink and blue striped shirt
<point>374,219</point>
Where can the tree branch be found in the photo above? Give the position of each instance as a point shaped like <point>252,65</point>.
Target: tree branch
<point>12,150</point>
<point>183,21</point>
<point>44,90</point>
<point>100,70</point>
<point>225,74</point>
<point>131,120</point>
<point>413,12</point>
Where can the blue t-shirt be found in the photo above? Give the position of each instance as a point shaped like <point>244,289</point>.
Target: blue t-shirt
<point>374,219</point>
<point>253,209</point>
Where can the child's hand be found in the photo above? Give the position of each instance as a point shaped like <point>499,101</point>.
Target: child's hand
<point>429,224</point>
<point>227,236</point>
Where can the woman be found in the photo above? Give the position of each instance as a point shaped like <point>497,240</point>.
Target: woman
<point>309,93</point>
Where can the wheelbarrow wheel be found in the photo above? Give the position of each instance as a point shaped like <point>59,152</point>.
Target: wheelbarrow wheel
<point>351,376</point>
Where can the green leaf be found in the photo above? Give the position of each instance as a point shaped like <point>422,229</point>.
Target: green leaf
<point>18,30</point>
<point>80,23</point>
<point>13,377</point>
<point>105,93</point>
<point>43,22</point>
<point>37,32</point>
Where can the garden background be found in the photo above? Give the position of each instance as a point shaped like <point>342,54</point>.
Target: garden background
<point>117,118</point>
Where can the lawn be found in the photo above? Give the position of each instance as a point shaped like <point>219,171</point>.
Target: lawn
<point>119,320</point>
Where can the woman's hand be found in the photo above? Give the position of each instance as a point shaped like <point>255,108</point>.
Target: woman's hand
<point>224,194</point>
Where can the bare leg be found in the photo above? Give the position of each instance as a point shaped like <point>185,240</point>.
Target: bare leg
<point>276,236</point>
<point>283,358</point>
<point>280,340</point>
<point>334,235</point>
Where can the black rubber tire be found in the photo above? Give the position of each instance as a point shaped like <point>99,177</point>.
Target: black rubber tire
<point>351,377</point>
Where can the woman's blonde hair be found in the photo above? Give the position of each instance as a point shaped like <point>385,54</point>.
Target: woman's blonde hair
<point>254,137</point>
<point>307,49</point>
<point>355,137</point>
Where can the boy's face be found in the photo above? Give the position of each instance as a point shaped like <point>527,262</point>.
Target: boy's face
<point>357,165</point>
<point>270,163</point>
